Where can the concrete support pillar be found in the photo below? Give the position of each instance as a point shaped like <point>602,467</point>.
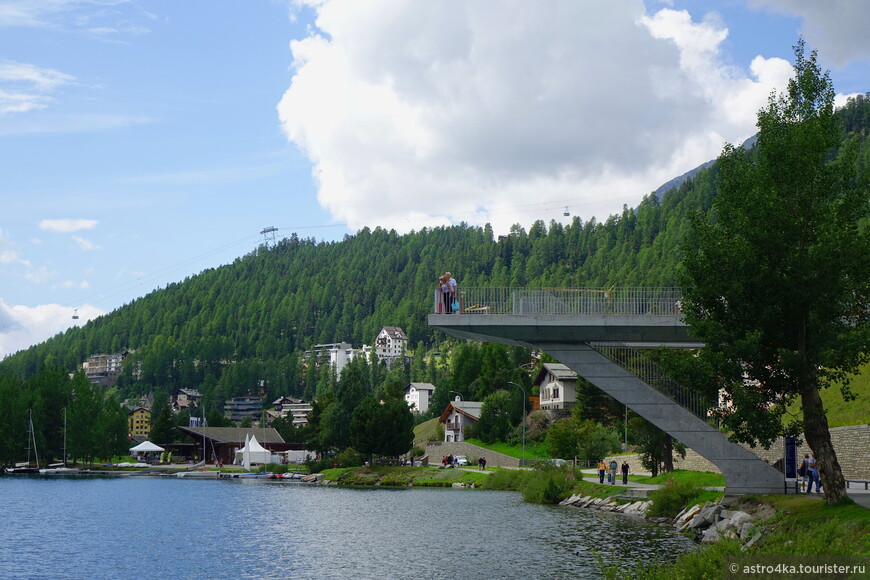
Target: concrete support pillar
<point>744,471</point>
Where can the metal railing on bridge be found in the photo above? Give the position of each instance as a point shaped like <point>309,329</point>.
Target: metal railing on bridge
<point>640,365</point>
<point>613,301</point>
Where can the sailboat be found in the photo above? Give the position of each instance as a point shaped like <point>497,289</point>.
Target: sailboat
<point>60,468</point>
<point>31,438</point>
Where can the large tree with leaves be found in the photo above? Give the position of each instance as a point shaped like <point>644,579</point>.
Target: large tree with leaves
<point>778,276</point>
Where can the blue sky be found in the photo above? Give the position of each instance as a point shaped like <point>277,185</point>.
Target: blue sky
<point>142,141</point>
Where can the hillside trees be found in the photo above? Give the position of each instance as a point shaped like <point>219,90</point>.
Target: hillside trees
<point>280,301</point>
<point>778,276</point>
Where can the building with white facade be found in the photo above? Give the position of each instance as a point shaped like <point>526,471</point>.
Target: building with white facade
<point>337,354</point>
<point>457,417</point>
<point>417,396</point>
<point>390,344</point>
<point>557,388</point>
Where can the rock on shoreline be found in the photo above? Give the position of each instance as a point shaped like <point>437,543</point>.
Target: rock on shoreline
<point>706,523</point>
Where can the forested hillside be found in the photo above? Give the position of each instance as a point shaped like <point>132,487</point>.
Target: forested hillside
<point>227,329</point>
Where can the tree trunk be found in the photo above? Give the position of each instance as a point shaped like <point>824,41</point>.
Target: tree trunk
<point>668,453</point>
<point>818,437</point>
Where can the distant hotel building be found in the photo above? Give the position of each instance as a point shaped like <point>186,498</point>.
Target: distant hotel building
<point>139,422</point>
<point>104,369</point>
<point>390,345</point>
<point>238,408</point>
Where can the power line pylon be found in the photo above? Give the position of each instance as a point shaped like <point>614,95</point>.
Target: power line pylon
<point>269,236</point>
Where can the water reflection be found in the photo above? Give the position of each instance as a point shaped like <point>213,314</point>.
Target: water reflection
<point>157,528</point>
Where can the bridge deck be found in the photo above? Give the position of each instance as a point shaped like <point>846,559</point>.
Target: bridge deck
<point>532,329</point>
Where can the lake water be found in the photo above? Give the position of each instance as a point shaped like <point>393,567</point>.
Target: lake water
<point>144,527</point>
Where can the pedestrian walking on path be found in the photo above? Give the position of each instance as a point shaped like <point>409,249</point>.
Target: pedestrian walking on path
<point>625,469</point>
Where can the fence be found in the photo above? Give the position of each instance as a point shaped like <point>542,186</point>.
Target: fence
<point>640,365</point>
<point>613,301</point>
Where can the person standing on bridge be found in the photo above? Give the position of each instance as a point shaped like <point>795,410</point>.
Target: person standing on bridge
<point>453,304</point>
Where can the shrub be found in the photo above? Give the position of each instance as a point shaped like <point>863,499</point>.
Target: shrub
<point>672,498</point>
<point>506,479</point>
<point>349,458</point>
<point>549,487</point>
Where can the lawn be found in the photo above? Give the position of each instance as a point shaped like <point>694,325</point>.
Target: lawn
<point>842,413</point>
<point>699,478</point>
<point>425,432</point>
<point>403,476</point>
<point>533,450</point>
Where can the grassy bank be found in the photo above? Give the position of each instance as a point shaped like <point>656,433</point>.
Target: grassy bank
<point>801,527</point>
<point>700,478</point>
<point>403,476</point>
<point>532,451</point>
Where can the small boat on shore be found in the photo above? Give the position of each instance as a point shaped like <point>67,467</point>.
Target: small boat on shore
<point>199,474</point>
<point>23,468</point>
<point>59,469</point>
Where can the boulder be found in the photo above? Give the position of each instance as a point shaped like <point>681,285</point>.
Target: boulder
<point>699,522</point>
<point>570,500</point>
<point>687,516</point>
<point>739,518</point>
<point>711,513</point>
<point>710,536</point>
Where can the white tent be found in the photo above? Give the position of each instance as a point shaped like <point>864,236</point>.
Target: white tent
<point>145,447</point>
<point>252,452</point>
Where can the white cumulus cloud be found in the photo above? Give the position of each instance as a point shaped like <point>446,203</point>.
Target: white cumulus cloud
<point>419,113</point>
<point>22,326</point>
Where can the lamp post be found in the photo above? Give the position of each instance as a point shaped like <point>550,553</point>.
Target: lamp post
<point>523,462</point>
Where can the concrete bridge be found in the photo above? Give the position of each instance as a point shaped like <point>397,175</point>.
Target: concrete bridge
<point>595,332</point>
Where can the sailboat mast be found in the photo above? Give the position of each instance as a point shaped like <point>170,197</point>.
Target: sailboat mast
<point>64,436</point>
<point>33,436</point>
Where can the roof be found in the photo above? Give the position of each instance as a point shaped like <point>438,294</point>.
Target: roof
<point>282,400</point>
<point>420,386</point>
<point>470,409</point>
<point>558,370</point>
<point>395,332</point>
<point>235,434</point>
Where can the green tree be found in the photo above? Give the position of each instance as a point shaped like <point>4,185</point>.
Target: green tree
<point>352,388</point>
<point>778,275</point>
<point>581,438</point>
<point>496,417</point>
<point>83,421</point>
<point>112,426</point>
<point>655,447</point>
<point>383,428</point>
<point>163,428</point>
